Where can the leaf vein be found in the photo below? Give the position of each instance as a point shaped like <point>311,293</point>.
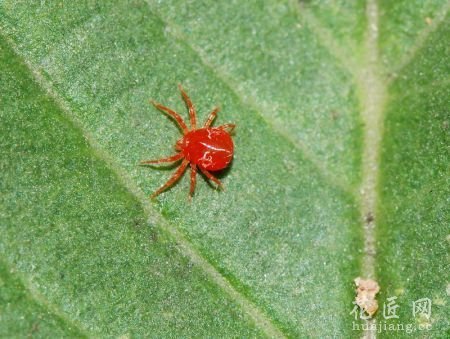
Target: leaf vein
<point>308,155</point>
<point>260,319</point>
<point>420,41</point>
<point>42,301</point>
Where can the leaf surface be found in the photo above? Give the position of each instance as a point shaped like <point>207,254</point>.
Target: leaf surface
<point>340,169</point>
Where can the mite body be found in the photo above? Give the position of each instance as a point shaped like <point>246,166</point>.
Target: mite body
<point>205,149</point>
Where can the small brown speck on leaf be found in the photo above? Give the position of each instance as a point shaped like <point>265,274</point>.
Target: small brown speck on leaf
<point>428,20</point>
<point>366,290</point>
<point>369,218</point>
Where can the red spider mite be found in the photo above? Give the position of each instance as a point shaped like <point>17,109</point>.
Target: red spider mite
<point>207,148</point>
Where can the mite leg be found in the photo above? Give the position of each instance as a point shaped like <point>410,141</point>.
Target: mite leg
<point>211,117</point>
<point>175,177</point>
<point>189,104</point>
<point>228,127</point>
<point>211,177</point>
<point>174,115</point>
<point>193,179</point>
<point>172,158</point>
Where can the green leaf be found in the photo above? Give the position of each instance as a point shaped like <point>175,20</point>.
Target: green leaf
<point>341,167</point>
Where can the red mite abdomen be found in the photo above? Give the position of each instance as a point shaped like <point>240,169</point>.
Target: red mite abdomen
<point>209,148</point>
